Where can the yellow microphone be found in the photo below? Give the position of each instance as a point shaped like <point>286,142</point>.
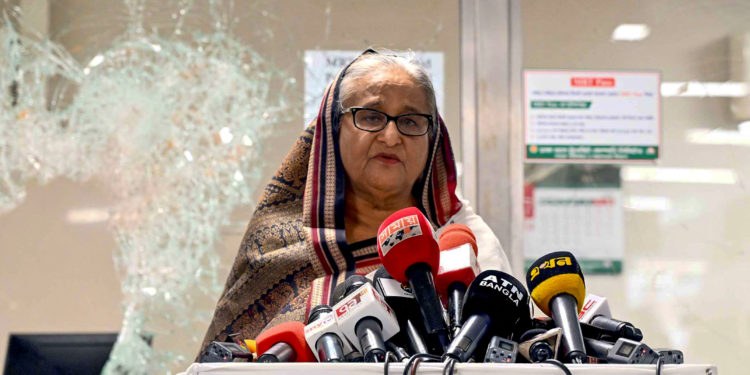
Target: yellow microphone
<point>556,285</point>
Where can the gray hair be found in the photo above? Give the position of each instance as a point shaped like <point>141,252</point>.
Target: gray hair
<point>371,62</point>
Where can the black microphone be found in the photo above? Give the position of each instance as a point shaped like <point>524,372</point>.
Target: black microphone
<point>622,351</point>
<point>495,303</point>
<point>401,298</point>
<point>617,328</point>
<point>557,286</point>
<point>219,351</point>
<point>596,312</point>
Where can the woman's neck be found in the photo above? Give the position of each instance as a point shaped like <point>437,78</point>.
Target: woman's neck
<point>365,212</point>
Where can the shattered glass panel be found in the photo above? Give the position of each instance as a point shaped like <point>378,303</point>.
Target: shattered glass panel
<point>173,107</point>
<point>174,130</point>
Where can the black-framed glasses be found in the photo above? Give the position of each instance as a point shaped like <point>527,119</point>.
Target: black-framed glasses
<point>372,120</point>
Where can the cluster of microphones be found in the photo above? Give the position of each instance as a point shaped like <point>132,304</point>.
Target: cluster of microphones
<point>430,300</point>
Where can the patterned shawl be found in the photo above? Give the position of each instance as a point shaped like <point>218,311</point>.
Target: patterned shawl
<point>294,251</point>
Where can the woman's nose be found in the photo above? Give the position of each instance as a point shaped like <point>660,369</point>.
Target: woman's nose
<point>390,134</point>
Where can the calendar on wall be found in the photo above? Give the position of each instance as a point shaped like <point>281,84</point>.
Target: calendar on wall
<point>585,221</point>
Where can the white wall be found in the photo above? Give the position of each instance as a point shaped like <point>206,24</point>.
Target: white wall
<point>685,268</point>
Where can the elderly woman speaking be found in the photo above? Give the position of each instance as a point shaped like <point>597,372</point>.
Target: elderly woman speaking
<point>378,145</point>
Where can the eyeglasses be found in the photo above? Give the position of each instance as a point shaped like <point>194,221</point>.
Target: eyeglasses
<point>372,120</point>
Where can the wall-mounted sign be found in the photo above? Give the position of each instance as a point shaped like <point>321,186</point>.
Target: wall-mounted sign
<point>322,66</point>
<point>591,115</point>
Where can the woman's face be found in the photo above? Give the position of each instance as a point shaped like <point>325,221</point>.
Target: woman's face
<point>385,163</point>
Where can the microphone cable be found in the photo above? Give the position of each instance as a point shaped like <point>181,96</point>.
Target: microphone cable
<point>417,356</point>
<point>449,366</point>
<point>559,364</point>
<point>388,356</point>
<point>659,363</point>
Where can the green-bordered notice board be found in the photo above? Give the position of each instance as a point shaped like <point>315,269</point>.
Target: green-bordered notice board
<point>585,221</point>
<point>591,115</point>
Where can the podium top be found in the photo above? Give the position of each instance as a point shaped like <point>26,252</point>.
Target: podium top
<point>437,368</point>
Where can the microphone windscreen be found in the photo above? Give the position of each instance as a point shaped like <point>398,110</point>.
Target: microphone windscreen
<point>554,274</point>
<point>406,238</point>
<point>349,285</point>
<point>455,235</point>
<point>458,264</point>
<point>292,333</point>
<point>502,297</point>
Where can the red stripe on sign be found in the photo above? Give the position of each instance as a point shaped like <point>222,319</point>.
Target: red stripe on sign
<point>528,201</point>
<point>592,81</point>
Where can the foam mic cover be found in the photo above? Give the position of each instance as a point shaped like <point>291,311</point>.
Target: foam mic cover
<point>557,287</point>
<point>409,252</point>
<point>502,297</point>
<point>554,274</point>
<point>350,284</point>
<point>455,235</point>
<point>458,261</point>
<point>495,304</point>
<point>406,238</point>
<point>458,268</point>
<point>289,333</point>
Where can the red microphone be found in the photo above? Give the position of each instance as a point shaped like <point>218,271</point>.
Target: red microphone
<point>458,268</point>
<point>457,234</point>
<point>284,343</point>
<point>409,252</point>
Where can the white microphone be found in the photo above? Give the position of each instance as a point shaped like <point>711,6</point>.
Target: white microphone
<point>367,321</point>
<point>323,334</point>
<point>596,312</point>
<point>593,306</point>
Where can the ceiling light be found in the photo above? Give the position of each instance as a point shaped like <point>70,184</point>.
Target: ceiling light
<point>679,175</point>
<point>646,203</point>
<point>718,137</point>
<point>631,32</point>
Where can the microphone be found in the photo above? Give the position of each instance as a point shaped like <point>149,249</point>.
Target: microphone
<point>458,268</point>
<point>596,312</point>
<point>539,345</point>
<point>284,343</point>
<point>409,252</point>
<point>622,351</point>
<point>218,351</point>
<point>400,298</point>
<point>400,353</point>
<point>323,333</point>
<point>349,285</point>
<point>365,319</point>
<point>495,303</point>
<point>557,287</point>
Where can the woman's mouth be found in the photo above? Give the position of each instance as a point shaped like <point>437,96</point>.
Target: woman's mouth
<point>387,158</point>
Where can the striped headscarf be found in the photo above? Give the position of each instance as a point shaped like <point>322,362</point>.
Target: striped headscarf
<point>294,251</point>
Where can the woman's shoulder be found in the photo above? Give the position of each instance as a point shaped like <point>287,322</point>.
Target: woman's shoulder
<point>490,252</point>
